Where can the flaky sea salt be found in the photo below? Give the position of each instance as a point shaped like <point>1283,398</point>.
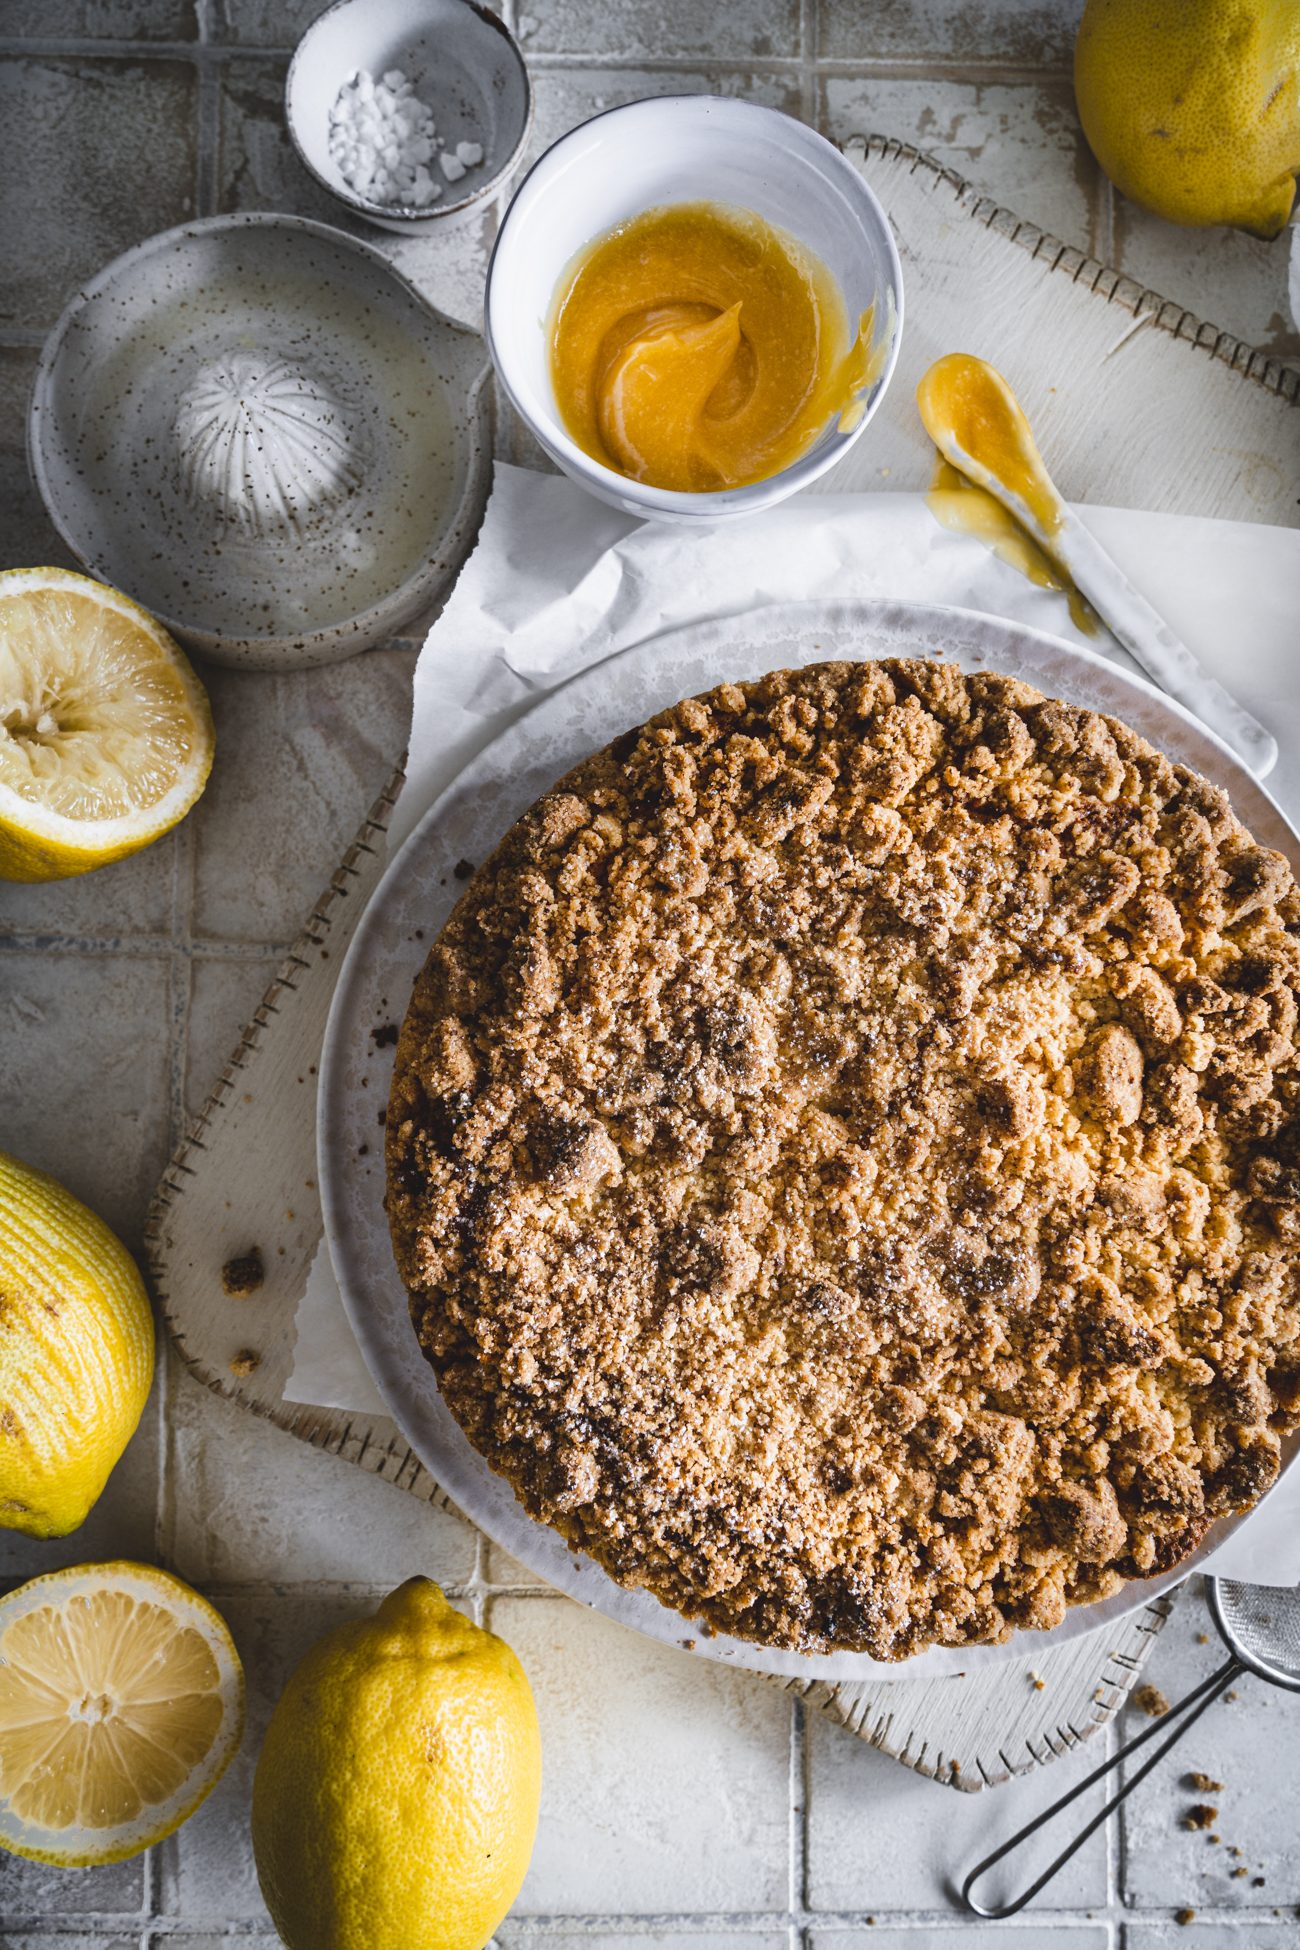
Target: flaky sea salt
<point>383,142</point>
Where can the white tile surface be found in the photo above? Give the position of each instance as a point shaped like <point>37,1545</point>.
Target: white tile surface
<point>570,95</point>
<point>881,1838</point>
<point>682,28</point>
<point>1236,282</point>
<point>996,34</point>
<point>1247,1743</point>
<point>666,1778</point>
<point>142,20</point>
<point>965,1936</point>
<point>302,758</point>
<point>134,896</point>
<point>82,1034</point>
<point>109,156</point>
<point>224,993</point>
<point>1018,141</point>
<point>29,534</point>
<point>246,1940</point>
<point>514,1937</point>
<point>1273,1932</point>
<point>38,1941</point>
<point>31,1890</point>
<point>262,23</point>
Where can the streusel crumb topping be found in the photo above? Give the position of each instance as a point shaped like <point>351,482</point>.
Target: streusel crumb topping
<point>844,1155</point>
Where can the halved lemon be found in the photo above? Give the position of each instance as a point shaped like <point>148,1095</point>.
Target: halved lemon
<point>106,737</point>
<point>121,1705</point>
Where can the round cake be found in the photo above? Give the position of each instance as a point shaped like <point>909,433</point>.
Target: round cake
<point>844,1158</point>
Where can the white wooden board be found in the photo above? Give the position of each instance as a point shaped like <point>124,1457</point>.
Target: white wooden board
<point>1136,404</point>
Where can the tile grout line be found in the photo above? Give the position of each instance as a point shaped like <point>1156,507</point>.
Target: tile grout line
<point>798,1819</point>
<point>914,65</point>
<point>207,139</point>
<point>808,91</point>
<point>207,107</point>
<point>1105,251</point>
<point>30,941</point>
<point>544,1925</point>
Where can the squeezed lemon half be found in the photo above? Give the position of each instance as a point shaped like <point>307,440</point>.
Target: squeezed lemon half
<point>106,737</point>
<point>121,1704</point>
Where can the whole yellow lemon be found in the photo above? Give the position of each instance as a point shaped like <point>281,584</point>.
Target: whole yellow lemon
<point>396,1796</point>
<point>76,1353</point>
<point>1192,107</point>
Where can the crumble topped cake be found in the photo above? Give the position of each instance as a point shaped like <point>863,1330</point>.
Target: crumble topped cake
<point>844,1157</point>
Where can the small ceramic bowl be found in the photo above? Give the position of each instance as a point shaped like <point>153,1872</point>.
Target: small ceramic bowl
<point>676,149</point>
<point>465,65</point>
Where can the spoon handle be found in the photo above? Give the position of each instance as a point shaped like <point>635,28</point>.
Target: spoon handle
<point>1151,643</point>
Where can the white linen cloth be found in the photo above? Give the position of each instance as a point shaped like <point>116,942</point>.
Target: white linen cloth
<point>558,582</point>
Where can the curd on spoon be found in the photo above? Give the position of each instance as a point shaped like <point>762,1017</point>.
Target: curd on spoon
<point>980,429</point>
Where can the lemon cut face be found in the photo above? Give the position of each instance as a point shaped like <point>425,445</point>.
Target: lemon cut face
<point>106,736</point>
<point>121,1705</point>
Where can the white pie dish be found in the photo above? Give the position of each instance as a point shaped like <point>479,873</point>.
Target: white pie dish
<point>676,149</point>
<point>416,896</point>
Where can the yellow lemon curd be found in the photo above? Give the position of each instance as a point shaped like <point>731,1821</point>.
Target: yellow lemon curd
<point>698,347</point>
<point>977,423</point>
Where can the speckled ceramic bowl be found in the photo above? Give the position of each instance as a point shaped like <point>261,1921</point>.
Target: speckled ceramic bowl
<point>465,65</point>
<point>266,435</point>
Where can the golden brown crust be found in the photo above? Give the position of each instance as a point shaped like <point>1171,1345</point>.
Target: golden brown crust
<point>844,1155</point>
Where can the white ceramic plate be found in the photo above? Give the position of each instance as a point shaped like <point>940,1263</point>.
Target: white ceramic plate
<point>413,901</point>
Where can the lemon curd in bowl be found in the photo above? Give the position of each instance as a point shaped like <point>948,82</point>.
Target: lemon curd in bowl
<point>698,347</point>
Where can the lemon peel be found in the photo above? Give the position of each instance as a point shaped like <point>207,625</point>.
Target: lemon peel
<point>1193,109</point>
<point>396,1795</point>
<point>76,1352</point>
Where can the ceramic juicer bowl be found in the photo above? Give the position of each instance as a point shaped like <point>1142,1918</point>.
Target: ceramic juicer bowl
<point>677,149</point>
<point>256,427</point>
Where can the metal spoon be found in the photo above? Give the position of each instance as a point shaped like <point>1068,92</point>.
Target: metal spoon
<point>978,425</point>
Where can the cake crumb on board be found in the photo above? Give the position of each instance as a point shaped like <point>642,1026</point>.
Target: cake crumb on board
<point>243,1274</point>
